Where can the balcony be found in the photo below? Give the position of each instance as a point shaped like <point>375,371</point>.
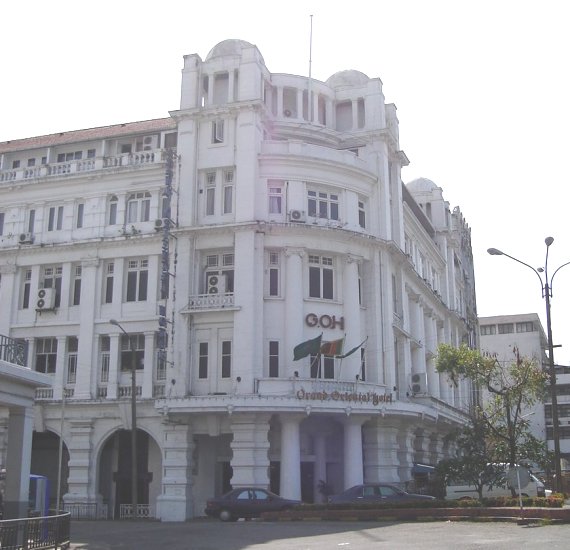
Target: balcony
<point>83,166</point>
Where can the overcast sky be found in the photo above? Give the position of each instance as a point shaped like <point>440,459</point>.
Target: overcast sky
<point>482,90</point>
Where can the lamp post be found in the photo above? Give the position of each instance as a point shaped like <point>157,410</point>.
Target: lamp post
<point>134,474</point>
<point>546,286</point>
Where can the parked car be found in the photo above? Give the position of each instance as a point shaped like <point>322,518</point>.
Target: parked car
<point>377,492</point>
<point>247,502</point>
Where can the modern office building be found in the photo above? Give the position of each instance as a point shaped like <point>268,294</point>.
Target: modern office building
<point>279,290</point>
<point>505,336</point>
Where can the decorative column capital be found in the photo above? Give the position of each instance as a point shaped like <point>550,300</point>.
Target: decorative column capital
<point>292,251</point>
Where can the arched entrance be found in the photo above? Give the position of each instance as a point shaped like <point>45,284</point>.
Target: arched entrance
<point>45,462</point>
<point>115,480</point>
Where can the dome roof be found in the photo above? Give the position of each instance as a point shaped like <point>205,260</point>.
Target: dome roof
<point>347,78</point>
<point>422,185</point>
<point>228,47</point>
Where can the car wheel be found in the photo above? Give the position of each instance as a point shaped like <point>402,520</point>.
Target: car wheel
<point>226,515</point>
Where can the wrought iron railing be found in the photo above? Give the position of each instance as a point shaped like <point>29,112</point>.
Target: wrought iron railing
<point>37,533</point>
<point>13,351</point>
<point>87,510</point>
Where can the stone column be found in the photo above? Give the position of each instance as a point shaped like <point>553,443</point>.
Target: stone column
<point>320,464</point>
<point>81,485</point>
<point>299,103</point>
<point>250,447</point>
<point>405,439</point>
<point>354,114</point>
<point>380,452</point>
<point>18,462</point>
<point>294,310</point>
<point>86,367</point>
<point>353,463</point>
<point>113,383</point>
<point>8,299</point>
<point>149,362</point>
<point>60,368</point>
<point>175,502</point>
<point>290,457</point>
<point>351,365</point>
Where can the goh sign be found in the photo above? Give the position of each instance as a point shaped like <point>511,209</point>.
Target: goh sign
<point>324,321</point>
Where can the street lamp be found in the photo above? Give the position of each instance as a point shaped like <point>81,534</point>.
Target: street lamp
<point>546,286</point>
<point>134,476</point>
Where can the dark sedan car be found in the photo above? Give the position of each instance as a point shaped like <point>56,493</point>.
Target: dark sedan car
<point>247,502</point>
<point>377,492</point>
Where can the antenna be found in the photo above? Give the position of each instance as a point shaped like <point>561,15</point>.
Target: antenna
<point>309,102</point>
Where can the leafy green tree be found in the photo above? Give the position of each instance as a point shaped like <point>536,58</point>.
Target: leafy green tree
<point>498,431</point>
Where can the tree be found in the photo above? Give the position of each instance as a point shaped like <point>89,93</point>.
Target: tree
<point>498,431</point>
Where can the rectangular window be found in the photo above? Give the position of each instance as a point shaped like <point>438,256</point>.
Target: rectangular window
<point>1,223</point>
<point>218,131</point>
<point>322,205</point>
<point>55,218</point>
<point>109,278</point>
<point>46,355</point>
<point>362,364</point>
<point>105,358</point>
<point>113,201</point>
<point>506,328</point>
<point>228,191</point>
<point>76,300</point>
<point>91,153</point>
<point>322,367</point>
<point>31,220</point>
<point>320,277</point>
<point>72,348</point>
<point>51,278</point>
<point>361,215</point>
<point>79,219</point>
<point>203,360</point>
<point>15,164</point>
<point>137,280</point>
<point>525,327</point>
<point>138,207</point>
<point>132,345</point>
<point>27,287</point>
<point>273,359</point>
<point>487,330</point>
<point>274,274</point>
<point>226,359</point>
<point>275,193</point>
<point>210,193</point>
<point>31,163</point>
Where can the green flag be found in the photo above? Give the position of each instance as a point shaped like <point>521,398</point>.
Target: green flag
<point>353,349</point>
<point>307,348</point>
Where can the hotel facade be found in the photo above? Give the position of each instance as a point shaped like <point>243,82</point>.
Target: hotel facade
<point>268,211</point>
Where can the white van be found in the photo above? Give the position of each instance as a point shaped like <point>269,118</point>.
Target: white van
<point>459,489</point>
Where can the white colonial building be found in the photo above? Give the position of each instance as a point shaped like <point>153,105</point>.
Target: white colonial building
<point>267,211</point>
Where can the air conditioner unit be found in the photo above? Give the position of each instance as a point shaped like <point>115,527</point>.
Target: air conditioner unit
<point>26,238</point>
<point>297,216</point>
<point>146,143</point>
<point>216,283</point>
<point>46,299</point>
<point>159,224</point>
<point>419,382</point>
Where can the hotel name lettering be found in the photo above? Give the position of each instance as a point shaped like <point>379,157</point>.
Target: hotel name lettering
<point>349,397</point>
<point>324,321</point>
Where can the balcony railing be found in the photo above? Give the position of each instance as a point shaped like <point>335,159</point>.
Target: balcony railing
<point>143,511</point>
<point>57,169</point>
<point>204,302</point>
<point>13,351</point>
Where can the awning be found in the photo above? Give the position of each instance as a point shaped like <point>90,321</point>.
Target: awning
<point>422,469</point>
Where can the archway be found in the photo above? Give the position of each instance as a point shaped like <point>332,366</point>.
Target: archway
<point>115,480</point>
<point>45,462</point>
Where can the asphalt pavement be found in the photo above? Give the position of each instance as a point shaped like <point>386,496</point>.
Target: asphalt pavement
<point>253,535</point>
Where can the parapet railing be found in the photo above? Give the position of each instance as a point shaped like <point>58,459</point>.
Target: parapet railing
<point>35,533</point>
